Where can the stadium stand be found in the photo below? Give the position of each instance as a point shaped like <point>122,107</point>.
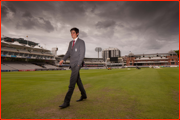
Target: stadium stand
<point>29,65</point>
<point>36,52</point>
<point>18,66</point>
<point>8,49</point>
<point>21,50</point>
<point>50,66</point>
<point>6,67</point>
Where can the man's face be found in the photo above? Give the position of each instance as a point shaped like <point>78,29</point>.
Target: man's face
<point>73,34</point>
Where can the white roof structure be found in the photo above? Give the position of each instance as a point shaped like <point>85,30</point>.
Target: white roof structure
<point>37,47</point>
<point>16,43</point>
<point>27,46</point>
<point>2,41</point>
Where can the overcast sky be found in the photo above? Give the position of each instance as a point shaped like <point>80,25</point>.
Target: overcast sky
<point>136,26</point>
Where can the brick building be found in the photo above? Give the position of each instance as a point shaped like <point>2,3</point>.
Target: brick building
<point>158,59</point>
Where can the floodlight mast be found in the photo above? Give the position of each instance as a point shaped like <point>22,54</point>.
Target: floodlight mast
<point>98,49</point>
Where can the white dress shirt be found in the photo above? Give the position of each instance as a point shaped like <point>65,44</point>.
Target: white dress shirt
<point>75,41</point>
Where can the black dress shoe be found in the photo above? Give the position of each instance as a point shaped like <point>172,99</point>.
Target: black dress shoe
<point>64,105</point>
<point>81,99</point>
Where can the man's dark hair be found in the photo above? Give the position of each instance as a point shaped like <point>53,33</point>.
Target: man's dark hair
<point>75,29</point>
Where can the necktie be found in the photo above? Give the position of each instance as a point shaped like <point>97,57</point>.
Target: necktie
<point>73,44</point>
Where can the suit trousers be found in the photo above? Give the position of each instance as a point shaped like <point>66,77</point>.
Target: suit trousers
<point>75,78</point>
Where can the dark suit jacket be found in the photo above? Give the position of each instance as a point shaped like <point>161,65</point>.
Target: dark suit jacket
<point>76,54</point>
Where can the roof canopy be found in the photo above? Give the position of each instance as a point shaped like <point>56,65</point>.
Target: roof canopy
<point>19,40</point>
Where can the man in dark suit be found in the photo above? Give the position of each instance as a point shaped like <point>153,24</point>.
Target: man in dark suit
<point>76,52</point>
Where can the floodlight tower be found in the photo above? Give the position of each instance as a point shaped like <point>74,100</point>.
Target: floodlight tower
<point>98,49</point>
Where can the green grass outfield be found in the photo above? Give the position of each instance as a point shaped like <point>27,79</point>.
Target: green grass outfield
<point>118,93</point>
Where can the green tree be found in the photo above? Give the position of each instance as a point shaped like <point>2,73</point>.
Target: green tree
<point>177,51</point>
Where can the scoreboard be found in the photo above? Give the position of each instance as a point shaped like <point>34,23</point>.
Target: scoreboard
<point>115,59</point>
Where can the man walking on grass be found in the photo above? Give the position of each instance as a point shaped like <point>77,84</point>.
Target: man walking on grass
<point>76,52</point>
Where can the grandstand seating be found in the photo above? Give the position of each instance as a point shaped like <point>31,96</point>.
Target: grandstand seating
<point>49,66</point>
<point>6,67</point>
<point>29,65</point>
<point>19,66</point>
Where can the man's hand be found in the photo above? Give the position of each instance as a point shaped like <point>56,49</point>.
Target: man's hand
<point>61,62</point>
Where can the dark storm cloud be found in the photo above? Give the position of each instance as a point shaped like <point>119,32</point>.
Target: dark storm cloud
<point>62,9</point>
<point>35,23</point>
<point>46,25</point>
<point>136,25</point>
<point>4,11</point>
<point>145,9</point>
<point>153,22</point>
<point>83,34</point>
<point>26,21</point>
<point>105,24</point>
<point>27,14</point>
<point>26,24</point>
<point>33,6</point>
<point>12,9</point>
<point>146,14</point>
<point>59,11</point>
<point>139,10</point>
